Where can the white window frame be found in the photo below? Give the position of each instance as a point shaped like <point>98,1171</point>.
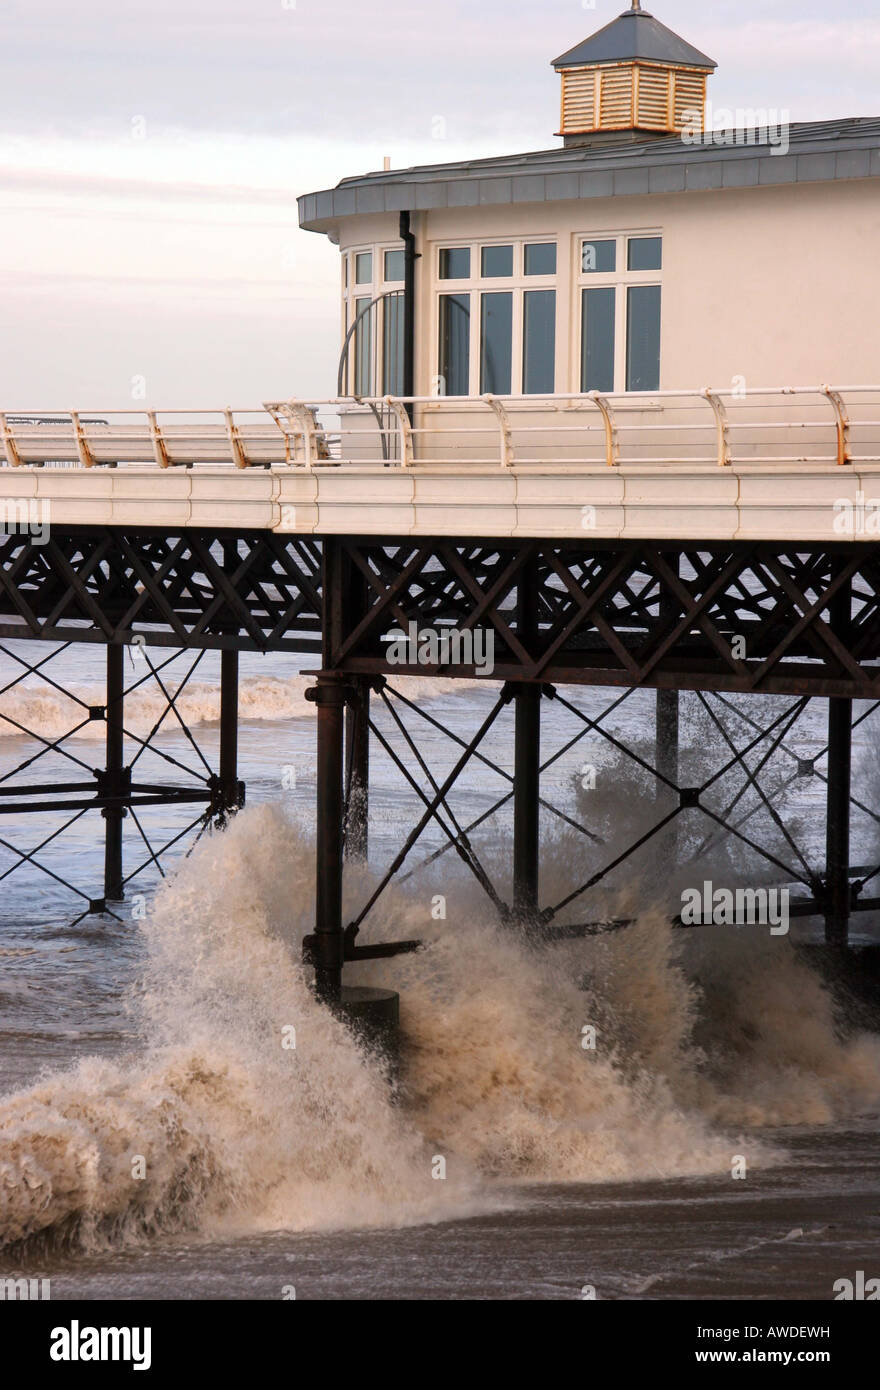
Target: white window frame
<point>378,285</point>
<point>476,286</point>
<point>620,279</point>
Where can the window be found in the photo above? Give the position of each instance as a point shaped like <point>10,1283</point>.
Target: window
<point>644,253</point>
<point>395,266</point>
<point>620,313</point>
<point>497,262</point>
<point>455,338</point>
<point>373,318</point>
<point>540,258</point>
<point>597,339</point>
<point>455,263</point>
<point>496,343</point>
<point>539,342</point>
<point>363,348</point>
<point>496,338</point>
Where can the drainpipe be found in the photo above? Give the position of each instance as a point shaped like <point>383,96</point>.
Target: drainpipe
<point>410,256</point>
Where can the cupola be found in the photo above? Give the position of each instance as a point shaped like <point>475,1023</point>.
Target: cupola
<point>632,80</point>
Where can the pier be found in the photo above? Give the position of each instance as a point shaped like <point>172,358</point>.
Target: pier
<point>720,543</point>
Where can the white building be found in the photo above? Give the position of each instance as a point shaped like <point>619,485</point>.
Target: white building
<point>638,255</point>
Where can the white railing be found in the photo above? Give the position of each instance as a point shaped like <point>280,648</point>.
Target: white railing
<point>675,429</point>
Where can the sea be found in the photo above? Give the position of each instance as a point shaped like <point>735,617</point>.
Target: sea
<point>641,1112</point>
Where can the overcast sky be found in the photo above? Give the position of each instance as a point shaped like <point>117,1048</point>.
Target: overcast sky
<point>151,152</point>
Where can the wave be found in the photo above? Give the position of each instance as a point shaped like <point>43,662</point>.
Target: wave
<point>52,714</point>
<point>217,1126</point>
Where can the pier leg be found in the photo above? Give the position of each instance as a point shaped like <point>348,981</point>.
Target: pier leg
<point>838,822</point>
<point>114,781</point>
<point>526,793</point>
<point>666,735</point>
<point>228,791</point>
<point>357,770</point>
<point>329,696</point>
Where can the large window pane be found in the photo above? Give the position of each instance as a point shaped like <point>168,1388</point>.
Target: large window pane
<point>395,265</point>
<point>643,338</point>
<point>496,343</point>
<point>496,262</point>
<point>455,340</point>
<point>539,342</point>
<point>597,339</point>
<point>540,258</point>
<point>455,263</point>
<point>392,344</point>
<point>598,257</point>
<point>363,268</point>
<point>363,348</point>
<point>644,253</point>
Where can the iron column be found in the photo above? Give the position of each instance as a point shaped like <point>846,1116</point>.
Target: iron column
<point>114,891</point>
<point>666,736</point>
<point>526,794</point>
<point>357,772</point>
<point>329,696</point>
<point>837,827</point>
<point>230,798</point>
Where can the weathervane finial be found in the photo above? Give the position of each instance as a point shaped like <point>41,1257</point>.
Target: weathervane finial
<point>636,5</point>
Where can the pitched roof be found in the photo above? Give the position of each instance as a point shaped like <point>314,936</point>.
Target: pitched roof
<point>634,34</point>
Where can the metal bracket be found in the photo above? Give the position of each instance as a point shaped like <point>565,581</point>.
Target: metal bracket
<point>722,425</point>
<point>303,416</point>
<point>612,442</point>
<point>13,457</point>
<point>842,422</point>
<point>507,458</point>
<point>404,425</point>
<point>160,452</point>
<point>86,457</point>
<point>235,444</point>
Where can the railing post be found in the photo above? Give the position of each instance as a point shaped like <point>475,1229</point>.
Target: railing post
<point>612,441</point>
<point>506,450</point>
<point>722,426</point>
<point>404,426</point>
<point>841,422</point>
<point>13,457</point>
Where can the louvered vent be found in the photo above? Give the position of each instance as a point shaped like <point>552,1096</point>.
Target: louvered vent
<point>578,100</point>
<point>653,98</point>
<point>690,95</point>
<point>616,99</point>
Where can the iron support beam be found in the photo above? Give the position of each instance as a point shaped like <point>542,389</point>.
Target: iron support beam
<point>357,770</point>
<point>837,889</point>
<point>114,891</point>
<point>526,801</point>
<point>666,735</point>
<point>227,791</point>
<point>329,696</point>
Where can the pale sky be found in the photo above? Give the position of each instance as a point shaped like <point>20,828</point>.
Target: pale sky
<point>151,152</point>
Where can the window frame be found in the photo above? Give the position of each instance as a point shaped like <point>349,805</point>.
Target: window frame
<point>476,286</point>
<point>620,279</point>
<point>352,292</point>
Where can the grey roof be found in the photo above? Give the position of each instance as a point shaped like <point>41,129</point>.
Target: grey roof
<point>634,34</point>
<point>818,151</point>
